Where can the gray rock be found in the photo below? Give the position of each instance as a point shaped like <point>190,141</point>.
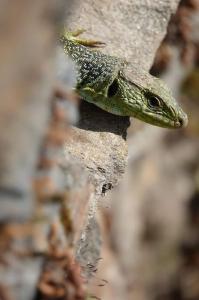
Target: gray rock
<point>131,30</point>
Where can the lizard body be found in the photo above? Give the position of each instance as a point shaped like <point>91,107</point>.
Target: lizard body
<point>120,88</point>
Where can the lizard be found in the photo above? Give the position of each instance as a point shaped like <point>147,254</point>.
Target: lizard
<point>119,87</point>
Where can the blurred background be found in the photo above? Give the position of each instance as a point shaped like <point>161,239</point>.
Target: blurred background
<point>68,230</point>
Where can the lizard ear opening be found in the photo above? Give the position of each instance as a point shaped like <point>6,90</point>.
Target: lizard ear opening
<point>113,88</point>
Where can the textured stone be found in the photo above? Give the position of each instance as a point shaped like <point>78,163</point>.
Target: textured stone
<point>99,144</point>
<point>139,27</point>
<point>132,30</point>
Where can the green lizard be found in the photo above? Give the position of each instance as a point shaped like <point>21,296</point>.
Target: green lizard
<point>119,87</point>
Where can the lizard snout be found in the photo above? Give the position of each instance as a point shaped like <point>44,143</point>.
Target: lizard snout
<point>182,120</point>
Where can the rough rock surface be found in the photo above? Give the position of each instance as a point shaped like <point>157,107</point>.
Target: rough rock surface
<point>132,30</point>
<point>139,27</point>
<point>99,144</point>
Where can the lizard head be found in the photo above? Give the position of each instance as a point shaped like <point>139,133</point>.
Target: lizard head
<point>145,97</point>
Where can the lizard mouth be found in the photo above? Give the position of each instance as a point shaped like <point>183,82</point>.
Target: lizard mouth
<point>180,122</point>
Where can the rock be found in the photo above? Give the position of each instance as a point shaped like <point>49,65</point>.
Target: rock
<point>131,30</point>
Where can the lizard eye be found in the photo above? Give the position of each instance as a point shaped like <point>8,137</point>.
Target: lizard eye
<point>154,102</point>
<point>113,88</point>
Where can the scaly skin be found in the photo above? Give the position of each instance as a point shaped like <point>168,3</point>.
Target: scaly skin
<point>119,87</point>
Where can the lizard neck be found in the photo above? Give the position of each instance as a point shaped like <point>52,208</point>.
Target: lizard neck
<point>74,50</point>
<point>94,69</point>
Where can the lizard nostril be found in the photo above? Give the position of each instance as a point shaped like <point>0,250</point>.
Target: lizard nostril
<point>183,120</point>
